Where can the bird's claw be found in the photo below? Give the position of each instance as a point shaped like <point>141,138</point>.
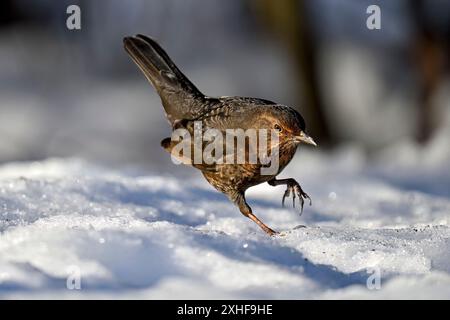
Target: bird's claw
<point>296,190</point>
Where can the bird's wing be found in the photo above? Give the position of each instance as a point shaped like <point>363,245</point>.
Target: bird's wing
<point>227,113</point>
<point>187,159</point>
<point>234,112</point>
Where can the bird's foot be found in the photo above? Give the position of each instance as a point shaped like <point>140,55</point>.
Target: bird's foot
<point>270,232</point>
<point>294,188</point>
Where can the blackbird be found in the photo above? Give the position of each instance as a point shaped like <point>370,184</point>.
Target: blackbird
<point>184,105</point>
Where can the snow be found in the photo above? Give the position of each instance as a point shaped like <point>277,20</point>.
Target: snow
<point>149,235</point>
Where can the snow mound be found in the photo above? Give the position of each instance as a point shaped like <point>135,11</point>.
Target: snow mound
<point>157,236</point>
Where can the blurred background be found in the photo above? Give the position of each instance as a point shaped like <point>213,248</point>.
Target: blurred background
<point>75,93</point>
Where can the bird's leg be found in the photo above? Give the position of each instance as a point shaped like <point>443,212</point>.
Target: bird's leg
<point>239,200</point>
<point>294,188</point>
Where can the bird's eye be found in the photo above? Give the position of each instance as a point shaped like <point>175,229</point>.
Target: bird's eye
<point>277,127</point>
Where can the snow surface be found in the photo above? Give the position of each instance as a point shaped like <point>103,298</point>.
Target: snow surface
<point>157,236</point>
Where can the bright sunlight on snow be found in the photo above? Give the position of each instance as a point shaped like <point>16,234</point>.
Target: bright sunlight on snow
<point>152,236</point>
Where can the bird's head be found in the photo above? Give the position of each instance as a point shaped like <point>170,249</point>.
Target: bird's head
<point>289,124</point>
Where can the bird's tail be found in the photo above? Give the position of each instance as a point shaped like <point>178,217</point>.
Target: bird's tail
<point>170,83</point>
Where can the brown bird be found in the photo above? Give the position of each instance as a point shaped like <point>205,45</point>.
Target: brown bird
<point>185,105</point>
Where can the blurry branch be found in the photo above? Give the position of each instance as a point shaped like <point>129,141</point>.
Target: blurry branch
<point>429,56</point>
<point>288,20</point>
<point>7,12</point>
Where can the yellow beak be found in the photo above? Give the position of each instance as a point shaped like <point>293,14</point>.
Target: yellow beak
<point>303,137</point>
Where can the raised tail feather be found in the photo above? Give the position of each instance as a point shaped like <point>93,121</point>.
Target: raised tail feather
<point>175,89</point>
